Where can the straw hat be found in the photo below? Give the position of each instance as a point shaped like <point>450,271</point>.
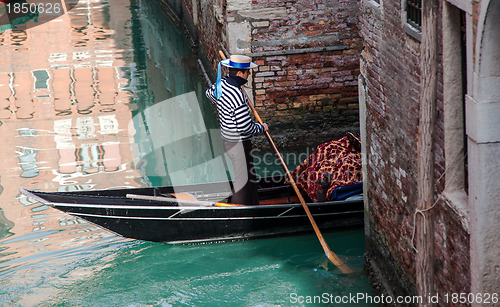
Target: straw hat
<point>235,61</point>
<point>239,61</point>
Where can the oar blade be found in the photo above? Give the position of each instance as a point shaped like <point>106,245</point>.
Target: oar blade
<point>338,263</point>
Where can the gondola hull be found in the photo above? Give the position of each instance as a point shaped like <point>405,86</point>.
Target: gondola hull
<point>159,221</point>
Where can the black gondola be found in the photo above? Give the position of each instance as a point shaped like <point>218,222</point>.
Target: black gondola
<point>151,214</point>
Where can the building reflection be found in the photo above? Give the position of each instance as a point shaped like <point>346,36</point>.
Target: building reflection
<point>80,99</point>
<point>69,91</point>
<point>65,107</point>
<point>80,153</point>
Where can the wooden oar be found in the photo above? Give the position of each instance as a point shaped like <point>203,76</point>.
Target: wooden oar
<point>329,254</point>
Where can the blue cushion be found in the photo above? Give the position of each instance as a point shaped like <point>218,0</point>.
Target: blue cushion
<point>346,191</point>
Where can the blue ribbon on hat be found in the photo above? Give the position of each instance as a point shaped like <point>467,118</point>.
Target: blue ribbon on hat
<point>228,63</point>
<point>218,85</point>
<point>239,65</point>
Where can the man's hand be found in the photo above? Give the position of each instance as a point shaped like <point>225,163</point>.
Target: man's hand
<point>266,128</point>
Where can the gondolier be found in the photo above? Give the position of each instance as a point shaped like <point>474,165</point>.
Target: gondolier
<point>237,127</point>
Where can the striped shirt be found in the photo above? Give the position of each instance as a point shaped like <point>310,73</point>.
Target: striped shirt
<point>234,113</point>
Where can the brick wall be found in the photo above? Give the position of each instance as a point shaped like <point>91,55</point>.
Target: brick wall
<point>390,68</point>
<point>309,61</point>
<point>308,52</point>
<point>320,85</point>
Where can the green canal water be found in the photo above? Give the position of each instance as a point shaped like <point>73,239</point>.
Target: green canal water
<point>109,96</point>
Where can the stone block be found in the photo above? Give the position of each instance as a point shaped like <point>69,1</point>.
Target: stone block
<point>260,24</point>
<point>264,13</point>
<point>239,37</point>
<point>238,5</point>
<point>264,74</point>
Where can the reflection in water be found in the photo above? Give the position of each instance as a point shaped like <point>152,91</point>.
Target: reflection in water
<point>185,154</point>
<point>25,14</point>
<point>5,224</point>
<point>180,146</point>
<point>97,98</point>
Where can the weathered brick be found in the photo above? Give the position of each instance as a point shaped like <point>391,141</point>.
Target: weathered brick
<point>285,83</point>
<point>265,74</point>
<point>391,72</point>
<point>260,97</point>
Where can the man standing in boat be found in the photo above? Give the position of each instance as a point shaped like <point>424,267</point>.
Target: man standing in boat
<point>237,126</point>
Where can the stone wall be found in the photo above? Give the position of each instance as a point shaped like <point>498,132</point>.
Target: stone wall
<point>391,75</point>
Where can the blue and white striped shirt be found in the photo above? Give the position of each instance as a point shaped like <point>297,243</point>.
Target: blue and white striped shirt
<point>234,113</point>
